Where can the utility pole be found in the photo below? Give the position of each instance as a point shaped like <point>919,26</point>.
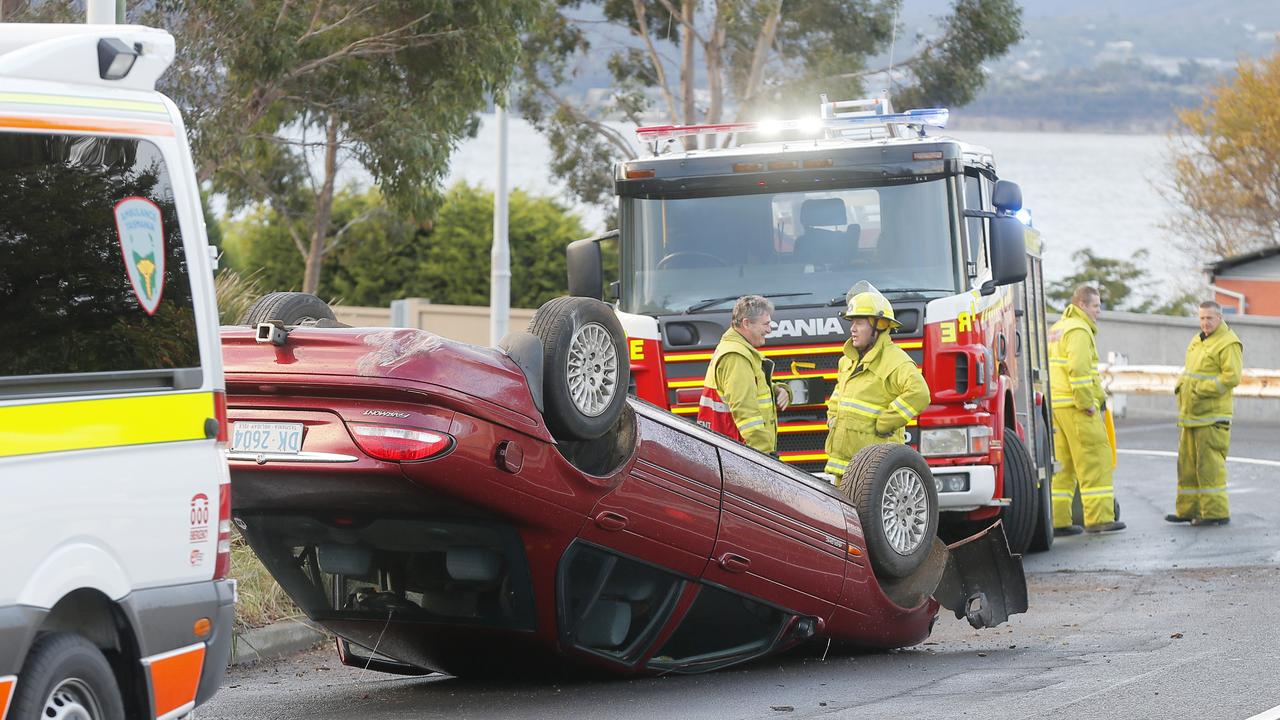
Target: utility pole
<point>500,256</point>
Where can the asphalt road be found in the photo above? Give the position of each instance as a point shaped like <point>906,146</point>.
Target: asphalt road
<point>1158,621</point>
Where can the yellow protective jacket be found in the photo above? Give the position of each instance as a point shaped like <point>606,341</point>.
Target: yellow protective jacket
<point>737,400</point>
<point>1073,362</point>
<point>876,395</point>
<point>1212,369</point>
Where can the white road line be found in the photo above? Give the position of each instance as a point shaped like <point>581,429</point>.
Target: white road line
<point>1272,714</point>
<point>1170,453</point>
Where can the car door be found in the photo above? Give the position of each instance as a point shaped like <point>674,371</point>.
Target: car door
<point>781,535</point>
<point>666,508</point>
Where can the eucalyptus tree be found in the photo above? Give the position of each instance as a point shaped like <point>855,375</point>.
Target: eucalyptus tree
<point>714,61</point>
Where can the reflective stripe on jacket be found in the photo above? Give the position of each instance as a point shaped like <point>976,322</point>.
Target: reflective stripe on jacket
<point>737,400</point>
<point>1213,368</point>
<point>1073,362</point>
<point>878,392</point>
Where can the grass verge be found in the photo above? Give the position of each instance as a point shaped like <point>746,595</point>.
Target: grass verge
<point>262,601</point>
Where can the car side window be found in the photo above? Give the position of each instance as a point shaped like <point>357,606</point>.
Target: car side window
<point>720,629</point>
<point>611,605</point>
<point>93,277</point>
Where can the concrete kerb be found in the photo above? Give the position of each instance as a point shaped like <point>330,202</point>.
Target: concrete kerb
<point>280,638</point>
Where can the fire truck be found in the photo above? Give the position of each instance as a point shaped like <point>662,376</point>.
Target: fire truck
<point>800,210</point>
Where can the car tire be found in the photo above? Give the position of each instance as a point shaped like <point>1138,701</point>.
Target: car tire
<point>1042,539</point>
<point>289,308</point>
<point>585,366</point>
<point>892,488</point>
<point>66,675</point>
<point>1023,511</point>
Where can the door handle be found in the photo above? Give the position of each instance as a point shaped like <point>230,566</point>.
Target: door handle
<point>611,521</point>
<point>734,563</point>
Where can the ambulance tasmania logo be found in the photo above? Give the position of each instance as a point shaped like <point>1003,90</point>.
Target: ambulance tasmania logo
<point>142,245</point>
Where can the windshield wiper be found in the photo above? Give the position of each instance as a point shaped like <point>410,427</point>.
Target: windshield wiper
<point>918,292</point>
<point>704,304</point>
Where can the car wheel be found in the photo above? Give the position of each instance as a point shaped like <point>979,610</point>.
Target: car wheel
<point>897,501</point>
<point>1042,539</point>
<point>66,676</point>
<point>289,308</point>
<point>585,366</point>
<point>1022,513</point>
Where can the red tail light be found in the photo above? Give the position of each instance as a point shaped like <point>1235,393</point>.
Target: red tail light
<point>400,444</point>
<point>220,414</point>
<point>223,562</point>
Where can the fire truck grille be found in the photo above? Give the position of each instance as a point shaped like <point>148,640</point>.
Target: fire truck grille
<point>802,428</point>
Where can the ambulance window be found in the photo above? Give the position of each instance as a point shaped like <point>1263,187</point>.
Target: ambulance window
<point>93,278</point>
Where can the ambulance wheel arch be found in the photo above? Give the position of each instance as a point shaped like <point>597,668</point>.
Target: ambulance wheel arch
<point>71,568</point>
<point>99,628</point>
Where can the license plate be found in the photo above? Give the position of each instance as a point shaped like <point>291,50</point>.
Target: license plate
<point>263,437</point>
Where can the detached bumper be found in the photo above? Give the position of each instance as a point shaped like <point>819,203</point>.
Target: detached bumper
<point>983,582</point>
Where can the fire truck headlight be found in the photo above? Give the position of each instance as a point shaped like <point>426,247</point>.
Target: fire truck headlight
<point>943,442</point>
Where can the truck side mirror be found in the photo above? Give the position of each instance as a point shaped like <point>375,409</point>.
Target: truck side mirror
<point>1008,253</point>
<point>1007,197</point>
<point>585,266</point>
<point>586,272</point>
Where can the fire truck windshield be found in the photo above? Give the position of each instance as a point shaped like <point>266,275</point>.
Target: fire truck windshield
<point>801,247</point>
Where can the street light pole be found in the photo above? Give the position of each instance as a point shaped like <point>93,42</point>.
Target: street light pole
<point>500,256</point>
<point>100,12</point>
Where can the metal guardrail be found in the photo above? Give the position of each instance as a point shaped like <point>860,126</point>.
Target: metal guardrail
<point>1120,379</point>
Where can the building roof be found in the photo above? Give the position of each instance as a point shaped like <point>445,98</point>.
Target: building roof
<point>1224,264</point>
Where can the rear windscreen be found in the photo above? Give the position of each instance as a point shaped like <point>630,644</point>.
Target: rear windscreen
<point>93,277</point>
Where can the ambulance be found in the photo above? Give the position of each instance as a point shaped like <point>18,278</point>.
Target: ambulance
<point>114,490</point>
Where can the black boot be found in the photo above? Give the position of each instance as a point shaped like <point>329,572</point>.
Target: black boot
<point>1202,522</point>
<point>1113,526</point>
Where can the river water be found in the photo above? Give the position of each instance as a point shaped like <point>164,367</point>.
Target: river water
<point>1084,190</point>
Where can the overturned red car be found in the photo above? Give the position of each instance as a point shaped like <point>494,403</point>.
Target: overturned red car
<point>445,507</point>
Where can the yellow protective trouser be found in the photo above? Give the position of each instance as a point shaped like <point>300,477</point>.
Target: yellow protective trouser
<point>1080,444</point>
<point>1202,472</point>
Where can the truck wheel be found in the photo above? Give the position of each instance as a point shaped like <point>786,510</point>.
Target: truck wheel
<point>290,308</point>
<point>1042,539</point>
<point>585,366</point>
<point>897,502</point>
<point>1022,513</point>
<point>66,676</point>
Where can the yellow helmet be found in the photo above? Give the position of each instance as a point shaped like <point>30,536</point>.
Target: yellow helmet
<point>866,301</point>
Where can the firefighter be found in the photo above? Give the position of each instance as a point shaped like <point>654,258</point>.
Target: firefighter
<point>1079,433</point>
<point>738,399</point>
<point>1214,361</point>
<point>878,389</point>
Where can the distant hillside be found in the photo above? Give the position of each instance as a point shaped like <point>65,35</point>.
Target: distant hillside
<point>1103,65</point>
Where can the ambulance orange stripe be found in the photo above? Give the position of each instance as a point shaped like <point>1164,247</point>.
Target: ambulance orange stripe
<point>98,125</point>
<point>175,677</point>
<point>6,693</point>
